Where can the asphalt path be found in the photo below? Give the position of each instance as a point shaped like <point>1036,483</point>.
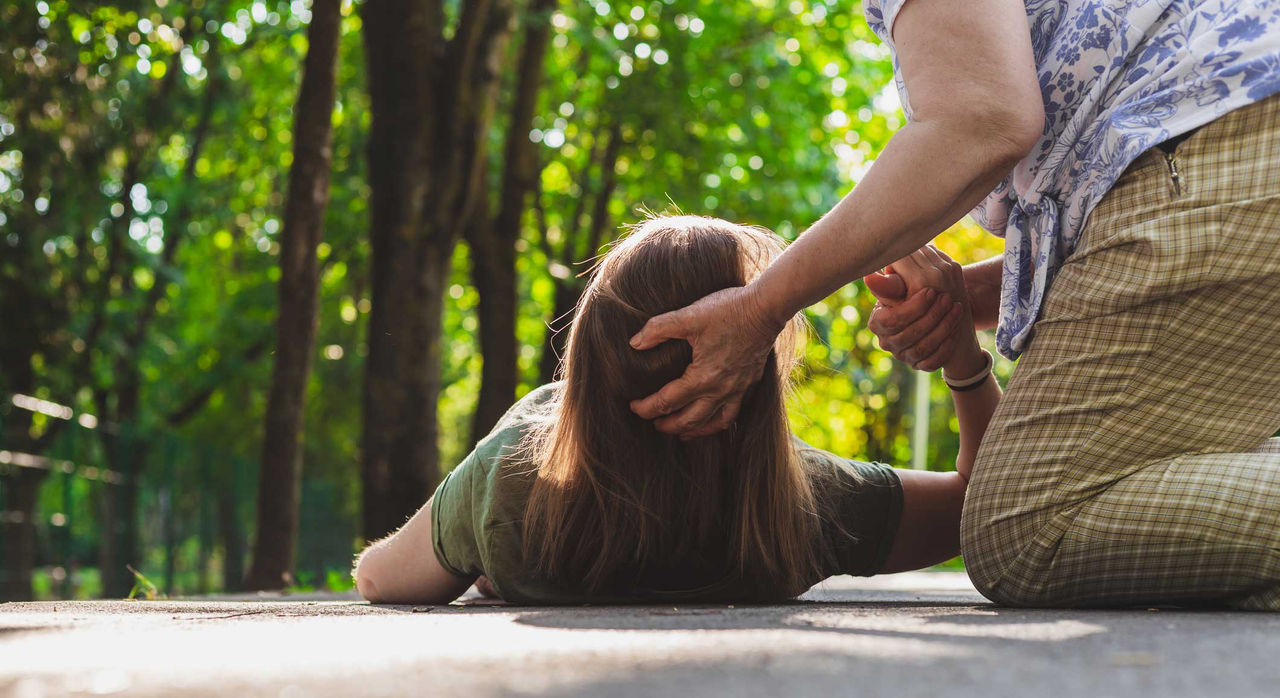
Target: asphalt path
<point>898,635</point>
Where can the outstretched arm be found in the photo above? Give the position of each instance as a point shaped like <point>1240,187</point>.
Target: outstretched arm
<point>402,568</point>
<point>976,111</point>
<point>929,531</point>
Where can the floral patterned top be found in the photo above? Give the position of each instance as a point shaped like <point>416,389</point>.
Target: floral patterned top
<point>1118,77</point>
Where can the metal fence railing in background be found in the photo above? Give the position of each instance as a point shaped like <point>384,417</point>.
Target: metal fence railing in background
<point>110,496</point>
<point>63,462</point>
<point>177,511</point>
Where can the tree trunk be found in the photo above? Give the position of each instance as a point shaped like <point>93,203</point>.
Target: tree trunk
<point>493,271</point>
<point>232,543</point>
<point>398,444</point>
<point>126,454</point>
<point>431,100</point>
<point>18,485</point>
<point>20,490</point>
<point>402,382</point>
<point>205,551</point>
<point>279,480</point>
<point>109,544</point>
<point>126,457</point>
<point>493,252</point>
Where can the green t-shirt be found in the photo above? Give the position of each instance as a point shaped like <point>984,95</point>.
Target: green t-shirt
<point>478,514</point>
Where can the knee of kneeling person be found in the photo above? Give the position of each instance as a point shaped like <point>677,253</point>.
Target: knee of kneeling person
<point>990,557</point>
<point>983,567</point>
<point>1002,571</point>
<point>1009,589</point>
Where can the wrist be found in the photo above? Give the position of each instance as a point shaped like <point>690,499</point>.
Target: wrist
<point>764,310</point>
<point>965,363</point>
<point>982,285</point>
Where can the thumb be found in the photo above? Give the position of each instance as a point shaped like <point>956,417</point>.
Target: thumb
<point>657,330</point>
<point>888,287</point>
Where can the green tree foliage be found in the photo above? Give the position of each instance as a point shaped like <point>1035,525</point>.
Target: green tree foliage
<point>144,152</point>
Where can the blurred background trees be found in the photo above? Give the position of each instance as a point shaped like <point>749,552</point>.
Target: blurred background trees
<point>482,153</point>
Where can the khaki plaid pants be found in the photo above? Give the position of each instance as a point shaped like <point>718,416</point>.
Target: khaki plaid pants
<point>1129,462</point>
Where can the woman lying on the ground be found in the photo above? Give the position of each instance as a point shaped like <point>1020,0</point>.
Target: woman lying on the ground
<point>574,499</point>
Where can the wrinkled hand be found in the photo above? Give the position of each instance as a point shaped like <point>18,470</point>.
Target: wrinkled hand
<point>731,339</point>
<point>922,315</point>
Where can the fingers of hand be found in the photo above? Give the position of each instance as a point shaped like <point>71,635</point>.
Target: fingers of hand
<point>934,315</point>
<point>886,287</point>
<point>673,396</point>
<point>886,321</point>
<point>691,418</point>
<point>941,256</point>
<point>722,419</point>
<point>949,273</point>
<point>918,271</point>
<point>909,264</point>
<point>935,361</point>
<point>936,337</point>
<point>657,330</point>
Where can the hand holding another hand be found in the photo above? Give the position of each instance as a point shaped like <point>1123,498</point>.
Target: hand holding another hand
<point>923,316</point>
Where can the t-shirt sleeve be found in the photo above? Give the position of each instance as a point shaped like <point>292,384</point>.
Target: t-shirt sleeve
<point>453,529</point>
<point>479,505</point>
<point>863,508</point>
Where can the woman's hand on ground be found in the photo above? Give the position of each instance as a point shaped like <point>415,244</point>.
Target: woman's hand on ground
<point>922,315</point>
<point>731,336</point>
<point>485,587</point>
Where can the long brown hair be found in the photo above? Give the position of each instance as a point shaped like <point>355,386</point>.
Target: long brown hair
<point>613,495</point>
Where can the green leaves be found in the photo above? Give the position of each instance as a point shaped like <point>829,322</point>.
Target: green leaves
<point>143,588</point>
<point>761,112</point>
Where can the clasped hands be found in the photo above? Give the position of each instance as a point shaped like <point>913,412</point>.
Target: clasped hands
<point>923,315</point>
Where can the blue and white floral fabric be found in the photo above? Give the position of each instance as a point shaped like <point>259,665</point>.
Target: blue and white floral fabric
<point>1118,77</point>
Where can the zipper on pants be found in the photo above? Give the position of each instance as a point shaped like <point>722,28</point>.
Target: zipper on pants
<point>1173,173</point>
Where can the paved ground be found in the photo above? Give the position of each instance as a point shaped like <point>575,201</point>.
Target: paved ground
<point>894,636</point>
